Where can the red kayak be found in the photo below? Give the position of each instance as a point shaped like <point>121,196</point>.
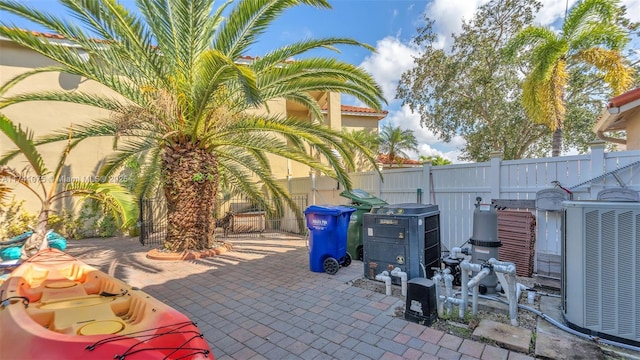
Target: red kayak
<point>54,306</point>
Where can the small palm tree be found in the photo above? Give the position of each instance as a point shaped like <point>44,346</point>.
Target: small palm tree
<point>435,160</point>
<point>186,98</point>
<point>43,183</point>
<point>394,142</point>
<point>591,36</point>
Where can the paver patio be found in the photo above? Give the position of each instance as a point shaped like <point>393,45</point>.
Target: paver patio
<point>261,301</point>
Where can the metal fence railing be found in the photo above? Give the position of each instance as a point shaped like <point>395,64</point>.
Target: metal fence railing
<point>245,219</point>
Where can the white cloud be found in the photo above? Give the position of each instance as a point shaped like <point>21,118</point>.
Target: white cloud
<point>449,14</point>
<point>633,9</point>
<point>391,59</point>
<point>552,10</point>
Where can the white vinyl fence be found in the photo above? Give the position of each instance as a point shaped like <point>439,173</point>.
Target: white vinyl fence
<point>454,188</point>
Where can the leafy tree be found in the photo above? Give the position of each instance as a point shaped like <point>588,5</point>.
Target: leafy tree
<point>186,91</point>
<point>435,160</point>
<point>394,141</point>
<point>44,184</point>
<point>473,89</point>
<point>591,39</point>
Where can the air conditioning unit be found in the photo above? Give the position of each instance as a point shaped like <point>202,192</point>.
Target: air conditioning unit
<point>601,268</point>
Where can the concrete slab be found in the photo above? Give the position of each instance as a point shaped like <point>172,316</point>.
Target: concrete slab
<point>561,347</point>
<point>554,343</point>
<point>507,336</point>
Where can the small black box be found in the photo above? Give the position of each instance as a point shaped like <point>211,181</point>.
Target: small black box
<point>421,304</point>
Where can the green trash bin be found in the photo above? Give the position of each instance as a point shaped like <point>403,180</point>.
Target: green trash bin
<point>363,202</point>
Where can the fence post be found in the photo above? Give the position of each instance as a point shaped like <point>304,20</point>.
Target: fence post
<point>312,176</point>
<point>597,167</point>
<point>380,180</point>
<point>141,224</point>
<point>496,160</point>
<point>426,183</point>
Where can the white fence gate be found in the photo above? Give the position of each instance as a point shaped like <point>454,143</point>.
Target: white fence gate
<point>454,188</point>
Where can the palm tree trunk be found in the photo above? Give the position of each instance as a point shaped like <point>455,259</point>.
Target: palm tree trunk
<point>556,143</point>
<point>36,241</point>
<point>190,185</point>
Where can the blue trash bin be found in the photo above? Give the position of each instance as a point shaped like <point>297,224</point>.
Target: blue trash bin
<point>328,225</point>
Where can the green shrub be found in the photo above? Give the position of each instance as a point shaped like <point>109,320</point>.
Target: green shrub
<point>14,220</point>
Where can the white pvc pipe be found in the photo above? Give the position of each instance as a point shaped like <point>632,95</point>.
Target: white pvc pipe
<point>511,288</point>
<point>384,276</point>
<point>448,284</point>
<point>479,276</point>
<point>475,284</point>
<point>519,289</point>
<point>466,266</point>
<point>403,279</point>
<point>437,279</point>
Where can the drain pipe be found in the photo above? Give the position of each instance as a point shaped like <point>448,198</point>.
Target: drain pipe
<point>384,276</point>
<point>403,279</point>
<point>509,270</point>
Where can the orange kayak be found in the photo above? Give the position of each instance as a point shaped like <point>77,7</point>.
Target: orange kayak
<point>54,306</point>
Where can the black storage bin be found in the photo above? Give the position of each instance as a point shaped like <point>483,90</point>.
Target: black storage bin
<point>421,306</point>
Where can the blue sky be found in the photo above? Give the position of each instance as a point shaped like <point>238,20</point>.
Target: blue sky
<point>388,25</point>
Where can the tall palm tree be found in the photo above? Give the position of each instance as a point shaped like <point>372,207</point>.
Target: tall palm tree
<point>591,36</point>
<point>185,90</point>
<point>45,184</point>
<point>394,141</point>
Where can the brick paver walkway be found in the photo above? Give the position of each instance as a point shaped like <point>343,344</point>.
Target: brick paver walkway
<point>261,301</point>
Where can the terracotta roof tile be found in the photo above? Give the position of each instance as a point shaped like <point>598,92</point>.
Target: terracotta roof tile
<point>360,109</point>
<point>384,159</point>
<point>47,35</point>
<point>625,98</point>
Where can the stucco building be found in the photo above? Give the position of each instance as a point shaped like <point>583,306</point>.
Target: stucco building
<point>621,114</point>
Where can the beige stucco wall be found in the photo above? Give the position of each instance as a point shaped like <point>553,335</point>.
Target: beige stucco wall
<point>360,122</point>
<point>633,133</point>
<point>45,117</point>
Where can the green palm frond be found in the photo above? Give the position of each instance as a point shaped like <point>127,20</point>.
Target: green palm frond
<point>23,140</point>
<point>115,197</point>
<point>587,13</point>
<point>530,38</point>
<point>284,54</point>
<point>65,96</point>
<point>250,19</point>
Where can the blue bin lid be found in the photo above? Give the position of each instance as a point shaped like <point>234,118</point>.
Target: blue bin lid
<point>328,209</point>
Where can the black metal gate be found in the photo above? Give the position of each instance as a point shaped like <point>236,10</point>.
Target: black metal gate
<point>246,220</point>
